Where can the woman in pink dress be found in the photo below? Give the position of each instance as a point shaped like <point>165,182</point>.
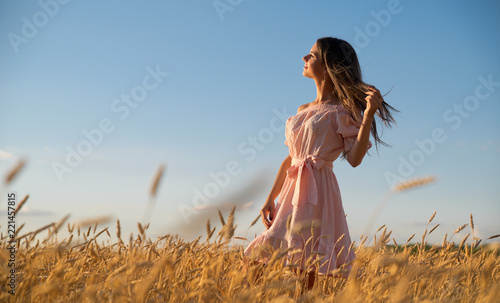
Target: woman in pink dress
<point>309,217</point>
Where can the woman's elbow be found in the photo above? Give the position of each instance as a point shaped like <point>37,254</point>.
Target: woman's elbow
<point>354,164</point>
<point>353,160</point>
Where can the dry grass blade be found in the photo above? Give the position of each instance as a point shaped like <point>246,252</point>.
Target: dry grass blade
<point>118,230</point>
<point>405,185</point>
<point>255,221</point>
<point>493,237</point>
<point>432,217</point>
<point>229,227</point>
<point>18,230</point>
<point>289,222</point>
<point>221,218</point>
<point>433,229</point>
<point>18,208</point>
<point>141,229</point>
<point>209,228</point>
<point>409,239</point>
<point>471,221</point>
<point>463,241</point>
<point>57,226</point>
<point>11,175</point>
<point>340,238</point>
<point>380,228</point>
<point>156,180</point>
<point>98,234</point>
<point>363,240</point>
<point>444,240</point>
<point>71,228</point>
<point>402,186</point>
<point>459,229</point>
<point>36,231</point>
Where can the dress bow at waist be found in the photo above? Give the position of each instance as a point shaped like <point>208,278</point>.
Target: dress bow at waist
<point>305,184</point>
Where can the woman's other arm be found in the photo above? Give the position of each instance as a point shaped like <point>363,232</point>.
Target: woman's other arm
<point>268,211</point>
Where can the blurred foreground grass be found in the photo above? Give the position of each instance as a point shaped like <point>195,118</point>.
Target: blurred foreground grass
<point>79,269</point>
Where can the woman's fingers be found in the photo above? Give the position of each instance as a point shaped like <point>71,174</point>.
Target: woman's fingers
<point>374,94</point>
<point>264,217</point>
<point>373,99</point>
<point>373,90</point>
<point>264,213</point>
<point>267,215</point>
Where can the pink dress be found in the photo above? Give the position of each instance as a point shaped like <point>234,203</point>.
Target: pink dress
<point>310,195</point>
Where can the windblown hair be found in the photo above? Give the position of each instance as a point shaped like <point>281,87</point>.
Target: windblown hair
<point>343,67</point>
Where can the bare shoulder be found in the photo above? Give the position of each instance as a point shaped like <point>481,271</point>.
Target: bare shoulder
<point>302,107</point>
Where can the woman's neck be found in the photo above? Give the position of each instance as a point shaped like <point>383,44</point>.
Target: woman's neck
<point>324,93</point>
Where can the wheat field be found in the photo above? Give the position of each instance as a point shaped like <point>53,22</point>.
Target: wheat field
<point>97,265</point>
<point>79,269</point>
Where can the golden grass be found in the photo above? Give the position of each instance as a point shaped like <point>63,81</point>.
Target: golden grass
<point>170,269</point>
<point>79,269</point>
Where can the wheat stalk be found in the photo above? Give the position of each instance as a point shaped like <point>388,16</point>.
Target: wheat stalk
<point>433,228</point>
<point>459,229</point>
<point>18,208</point>
<point>406,185</point>
<point>402,186</point>
<point>156,180</point>
<point>432,217</point>
<point>252,224</point>
<point>57,226</point>
<point>11,175</point>
<point>471,222</point>
<point>118,230</point>
<point>229,228</point>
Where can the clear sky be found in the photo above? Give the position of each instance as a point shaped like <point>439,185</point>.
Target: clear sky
<point>97,94</point>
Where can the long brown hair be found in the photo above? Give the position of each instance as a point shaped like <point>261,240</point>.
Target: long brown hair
<point>343,67</point>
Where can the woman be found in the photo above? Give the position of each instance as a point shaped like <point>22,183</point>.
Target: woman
<point>309,215</point>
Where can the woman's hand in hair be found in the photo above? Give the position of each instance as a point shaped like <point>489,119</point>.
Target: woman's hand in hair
<point>373,101</point>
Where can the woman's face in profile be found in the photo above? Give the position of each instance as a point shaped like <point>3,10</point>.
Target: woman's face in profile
<point>313,65</point>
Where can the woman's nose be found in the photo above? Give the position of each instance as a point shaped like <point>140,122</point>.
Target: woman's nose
<point>304,58</point>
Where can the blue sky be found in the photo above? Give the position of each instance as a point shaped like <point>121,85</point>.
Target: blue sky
<point>210,84</point>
